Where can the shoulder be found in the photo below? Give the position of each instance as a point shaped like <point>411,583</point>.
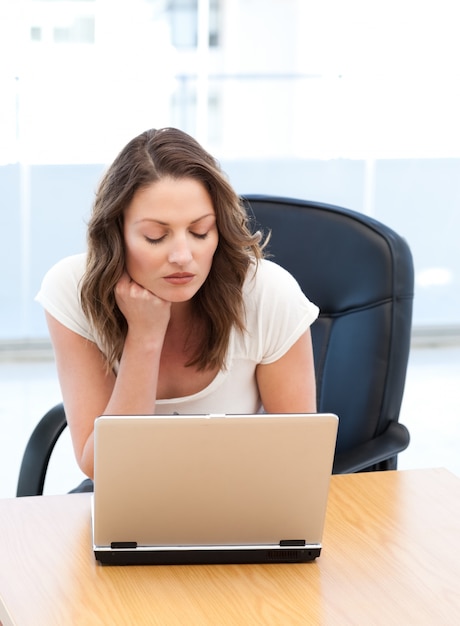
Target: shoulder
<point>70,268</point>
<point>273,270</point>
<point>268,279</point>
<point>62,281</point>
<point>277,311</point>
<point>272,294</point>
<point>60,294</point>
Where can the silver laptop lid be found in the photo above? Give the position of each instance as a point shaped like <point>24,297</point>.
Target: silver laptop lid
<point>212,480</point>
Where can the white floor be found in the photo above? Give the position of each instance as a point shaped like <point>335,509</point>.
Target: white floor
<point>431,411</point>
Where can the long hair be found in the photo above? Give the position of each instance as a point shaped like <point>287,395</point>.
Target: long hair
<point>219,303</point>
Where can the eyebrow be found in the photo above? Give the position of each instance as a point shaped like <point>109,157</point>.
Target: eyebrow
<point>161,223</point>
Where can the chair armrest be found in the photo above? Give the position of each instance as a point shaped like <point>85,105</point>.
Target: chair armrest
<point>394,440</point>
<point>38,451</point>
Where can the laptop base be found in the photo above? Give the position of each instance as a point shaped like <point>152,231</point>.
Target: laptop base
<point>206,557</point>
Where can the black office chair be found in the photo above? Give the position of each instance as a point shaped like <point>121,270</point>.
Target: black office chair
<point>360,273</point>
<point>38,451</point>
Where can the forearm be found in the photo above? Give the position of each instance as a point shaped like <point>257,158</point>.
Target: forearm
<point>134,390</point>
<point>135,387</point>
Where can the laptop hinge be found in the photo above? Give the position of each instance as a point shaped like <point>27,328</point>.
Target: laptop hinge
<point>284,543</point>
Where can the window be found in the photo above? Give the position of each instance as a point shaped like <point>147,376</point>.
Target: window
<point>183,15</point>
<point>80,30</point>
<point>351,103</point>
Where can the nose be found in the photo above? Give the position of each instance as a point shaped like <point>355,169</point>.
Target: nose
<point>180,253</point>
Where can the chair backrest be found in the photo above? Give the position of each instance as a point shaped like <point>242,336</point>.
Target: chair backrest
<point>360,273</point>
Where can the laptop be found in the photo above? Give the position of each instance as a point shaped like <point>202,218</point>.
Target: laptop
<point>211,488</point>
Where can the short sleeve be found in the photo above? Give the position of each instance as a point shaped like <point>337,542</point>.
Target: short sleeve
<point>60,294</point>
<point>278,312</point>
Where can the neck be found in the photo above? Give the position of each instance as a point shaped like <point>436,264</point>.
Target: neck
<point>183,330</point>
<point>181,313</point>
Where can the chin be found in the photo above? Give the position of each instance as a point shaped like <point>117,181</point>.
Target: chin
<point>179,295</point>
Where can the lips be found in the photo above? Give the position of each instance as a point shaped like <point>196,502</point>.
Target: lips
<point>179,278</point>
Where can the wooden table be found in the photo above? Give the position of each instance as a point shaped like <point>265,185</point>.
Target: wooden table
<point>391,555</point>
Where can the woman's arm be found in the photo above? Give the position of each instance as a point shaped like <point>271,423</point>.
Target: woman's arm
<point>288,385</point>
<point>88,390</point>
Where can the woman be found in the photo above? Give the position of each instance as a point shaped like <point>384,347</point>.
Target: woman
<point>173,308</point>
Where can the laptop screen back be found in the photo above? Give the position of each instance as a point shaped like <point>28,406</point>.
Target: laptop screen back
<point>211,480</point>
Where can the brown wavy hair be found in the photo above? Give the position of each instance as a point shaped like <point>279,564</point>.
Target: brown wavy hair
<point>219,303</point>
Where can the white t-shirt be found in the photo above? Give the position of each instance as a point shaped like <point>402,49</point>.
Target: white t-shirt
<point>277,314</point>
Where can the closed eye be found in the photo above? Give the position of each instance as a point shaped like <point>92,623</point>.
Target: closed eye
<point>200,235</point>
<point>154,241</point>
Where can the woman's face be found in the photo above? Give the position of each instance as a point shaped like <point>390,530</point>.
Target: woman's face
<point>170,236</point>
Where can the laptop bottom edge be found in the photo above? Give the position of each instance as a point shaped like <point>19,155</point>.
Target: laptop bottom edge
<point>206,557</point>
